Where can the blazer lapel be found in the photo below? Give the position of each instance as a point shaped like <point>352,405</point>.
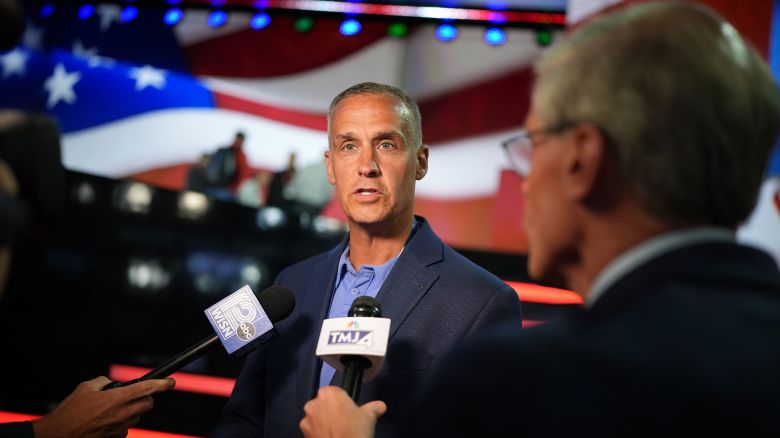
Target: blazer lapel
<point>319,288</point>
<point>412,276</point>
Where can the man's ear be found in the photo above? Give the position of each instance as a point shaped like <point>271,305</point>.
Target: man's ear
<point>329,167</point>
<point>422,162</point>
<point>587,160</point>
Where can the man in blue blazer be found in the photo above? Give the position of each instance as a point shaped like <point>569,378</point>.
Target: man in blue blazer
<point>434,297</point>
<point>648,133</point>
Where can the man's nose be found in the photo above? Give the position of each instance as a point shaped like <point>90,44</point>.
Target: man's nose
<point>367,165</point>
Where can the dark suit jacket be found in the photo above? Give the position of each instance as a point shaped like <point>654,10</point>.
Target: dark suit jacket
<point>435,299</point>
<point>686,345</point>
<point>16,430</point>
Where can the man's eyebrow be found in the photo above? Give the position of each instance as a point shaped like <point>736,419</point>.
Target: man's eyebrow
<point>388,134</point>
<point>347,136</point>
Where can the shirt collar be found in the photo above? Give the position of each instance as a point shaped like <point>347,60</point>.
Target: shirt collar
<point>650,249</point>
<point>381,271</point>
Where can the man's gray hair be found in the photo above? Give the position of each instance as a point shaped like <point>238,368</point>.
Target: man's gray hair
<point>407,111</point>
<point>689,109</point>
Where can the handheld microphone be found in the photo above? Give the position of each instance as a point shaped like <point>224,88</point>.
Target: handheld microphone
<point>242,321</point>
<point>356,345</point>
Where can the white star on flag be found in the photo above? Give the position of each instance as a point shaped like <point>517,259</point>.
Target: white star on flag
<point>14,62</point>
<point>148,76</point>
<point>60,86</point>
<point>108,14</point>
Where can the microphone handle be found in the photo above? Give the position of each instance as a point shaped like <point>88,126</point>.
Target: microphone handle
<point>353,374</point>
<point>175,364</point>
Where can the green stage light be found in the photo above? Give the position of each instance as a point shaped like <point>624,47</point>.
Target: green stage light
<point>544,37</point>
<point>304,24</point>
<point>397,30</point>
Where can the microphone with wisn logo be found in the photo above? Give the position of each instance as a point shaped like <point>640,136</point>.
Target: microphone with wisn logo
<point>242,321</point>
<point>356,345</point>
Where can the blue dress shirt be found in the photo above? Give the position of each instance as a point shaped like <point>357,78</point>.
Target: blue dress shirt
<point>351,284</point>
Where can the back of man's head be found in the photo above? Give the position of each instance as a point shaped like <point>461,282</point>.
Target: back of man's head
<point>690,110</point>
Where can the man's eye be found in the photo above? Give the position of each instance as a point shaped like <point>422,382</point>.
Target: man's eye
<point>349,147</point>
<point>386,146</point>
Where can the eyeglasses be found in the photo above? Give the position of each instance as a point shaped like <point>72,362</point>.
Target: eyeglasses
<point>518,149</point>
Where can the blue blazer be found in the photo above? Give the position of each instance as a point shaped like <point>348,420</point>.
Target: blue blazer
<point>435,299</point>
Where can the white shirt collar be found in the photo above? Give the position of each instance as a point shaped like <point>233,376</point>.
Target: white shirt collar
<point>650,249</point>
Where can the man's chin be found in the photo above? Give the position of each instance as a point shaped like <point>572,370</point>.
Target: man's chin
<point>367,215</point>
<point>376,225</point>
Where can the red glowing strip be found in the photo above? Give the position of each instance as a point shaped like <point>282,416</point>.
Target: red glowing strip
<point>429,12</point>
<point>432,12</point>
<point>11,417</point>
<point>533,293</point>
<point>187,382</point>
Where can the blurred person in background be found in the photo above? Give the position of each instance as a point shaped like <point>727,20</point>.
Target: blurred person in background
<point>252,192</point>
<point>224,170</point>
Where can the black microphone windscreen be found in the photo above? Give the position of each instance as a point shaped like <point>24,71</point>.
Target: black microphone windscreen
<point>277,301</point>
<point>365,306</point>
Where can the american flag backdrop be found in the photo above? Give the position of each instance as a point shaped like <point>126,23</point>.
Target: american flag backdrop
<point>144,100</point>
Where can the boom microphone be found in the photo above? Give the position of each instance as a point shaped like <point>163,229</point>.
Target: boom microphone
<point>242,324</point>
<point>356,345</point>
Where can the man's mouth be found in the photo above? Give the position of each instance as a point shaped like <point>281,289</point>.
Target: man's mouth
<point>366,192</point>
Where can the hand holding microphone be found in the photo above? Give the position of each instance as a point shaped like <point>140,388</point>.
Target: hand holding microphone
<point>334,414</point>
<point>356,345</point>
<point>242,321</point>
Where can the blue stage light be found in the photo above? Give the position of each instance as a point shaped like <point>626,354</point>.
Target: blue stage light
<point>495,36</point>
<point>47,10</point>
<point>446,32</point>
<point>350,27</point>
<point>128,14</point>
<point>86,11</point>
<point>217,18</point>
<point>261,20</point>
<point>173,16</point>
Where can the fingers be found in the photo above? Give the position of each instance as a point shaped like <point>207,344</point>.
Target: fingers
<point>331,391</point>
<point>157,385</point>
<point>97,383</point>
<point>376,408</point>
<point>132,401</point>
<point>334,414</point>
<point>146,388</point>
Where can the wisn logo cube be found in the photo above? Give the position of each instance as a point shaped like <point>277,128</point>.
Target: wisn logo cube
<point>239,320</point>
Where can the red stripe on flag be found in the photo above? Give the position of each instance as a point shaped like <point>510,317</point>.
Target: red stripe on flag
<point>289,116</point>
<point>494,105</point>
<point>187,382</point>
<point>279,49</point>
